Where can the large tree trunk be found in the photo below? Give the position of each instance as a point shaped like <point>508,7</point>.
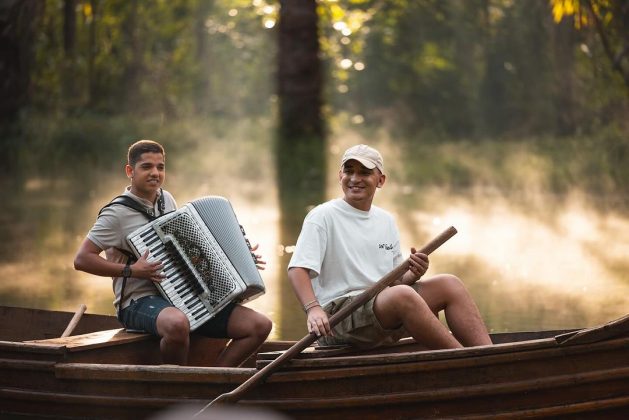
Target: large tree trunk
<point>300,147</point>
<point>18,20</point>
<point>299,75</point>
<point>91,56</point>
<point>69,76</point>
<point>69,27</point>
<point>564,37</point>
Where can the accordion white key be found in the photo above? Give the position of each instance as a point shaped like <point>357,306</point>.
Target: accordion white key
<point>208,261</point>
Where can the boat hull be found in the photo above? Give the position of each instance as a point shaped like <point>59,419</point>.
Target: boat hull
<point>531,378</point>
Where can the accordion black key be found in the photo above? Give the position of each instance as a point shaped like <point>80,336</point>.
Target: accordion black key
<point>208,261</point>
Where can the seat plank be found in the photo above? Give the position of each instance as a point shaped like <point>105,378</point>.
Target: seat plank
<point>96,339</point>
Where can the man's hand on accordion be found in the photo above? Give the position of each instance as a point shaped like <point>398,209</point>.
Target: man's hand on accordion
<point>145,269</point>
<point>260,263</point>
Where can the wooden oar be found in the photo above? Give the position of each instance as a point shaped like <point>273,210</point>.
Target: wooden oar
<point>74,321</point>
<point>396,273</point>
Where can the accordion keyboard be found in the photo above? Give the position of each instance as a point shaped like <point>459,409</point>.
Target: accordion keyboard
<point>180,286</point>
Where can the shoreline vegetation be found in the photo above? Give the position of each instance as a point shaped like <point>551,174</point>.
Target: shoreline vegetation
<point>593,165</point>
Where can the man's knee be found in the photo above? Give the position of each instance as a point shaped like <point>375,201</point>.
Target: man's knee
<point>397,305</point>
<point>261,326</point>
<point>452,283</point>
<point>404,293</point>
<point>249,323</point>
<point>173,324</point>
<point>401,299</point>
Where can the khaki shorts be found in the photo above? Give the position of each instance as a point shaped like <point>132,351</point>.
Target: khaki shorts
<point>361,328</point>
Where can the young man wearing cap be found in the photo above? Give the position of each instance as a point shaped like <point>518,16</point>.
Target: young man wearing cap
<point>347,244</point>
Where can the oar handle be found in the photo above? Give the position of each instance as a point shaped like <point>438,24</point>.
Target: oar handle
<point>396,273</point>
<point>74,321</point>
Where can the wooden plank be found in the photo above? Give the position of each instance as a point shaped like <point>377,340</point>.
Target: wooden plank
<point>13,347</point>
<point>492,390</point>
<point>421,355</point>
<point>597,406</point>
<point>508,351</point>
<point>612,329</point>
<point>37,365</point>
<point>22,324</point>
<point>94,340</point>
<point>404,345</point>
<point>162,374</point>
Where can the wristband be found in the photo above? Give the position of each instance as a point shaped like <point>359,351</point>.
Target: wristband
<point>311,304</point>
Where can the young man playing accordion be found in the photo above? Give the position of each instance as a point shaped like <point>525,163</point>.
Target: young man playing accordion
<point>139,304</point>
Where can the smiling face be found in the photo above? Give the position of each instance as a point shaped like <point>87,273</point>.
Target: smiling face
<point>359,184</point>
<point>147,175</point>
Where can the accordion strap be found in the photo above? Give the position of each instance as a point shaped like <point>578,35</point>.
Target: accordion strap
<point>127,201</point>
<point>130,260</point>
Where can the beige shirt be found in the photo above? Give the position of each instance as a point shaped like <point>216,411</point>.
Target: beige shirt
<point>110,232</point>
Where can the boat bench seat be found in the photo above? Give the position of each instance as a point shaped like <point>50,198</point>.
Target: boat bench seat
<point>318,351</point>
<point>96,339</point>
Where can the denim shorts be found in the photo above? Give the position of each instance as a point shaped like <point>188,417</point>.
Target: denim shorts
<point>142,315</point>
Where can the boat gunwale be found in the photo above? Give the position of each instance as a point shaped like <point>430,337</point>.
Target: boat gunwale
<point>333,368</point>
<point>21,346</point>
<point>447,354</point>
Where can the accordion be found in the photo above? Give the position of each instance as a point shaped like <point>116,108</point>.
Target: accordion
<point>208,262</point>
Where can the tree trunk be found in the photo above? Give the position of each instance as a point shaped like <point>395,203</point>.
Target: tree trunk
<point>69,27</point>
<point>300,147</point>
<point>69,73</point>
<point>204,97</point>
<point>91,57</point>
<point>299,75</point>
<point>564,39</point>
<point>18,20</point>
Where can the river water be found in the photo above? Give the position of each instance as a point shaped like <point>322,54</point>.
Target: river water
<point>537,263</point>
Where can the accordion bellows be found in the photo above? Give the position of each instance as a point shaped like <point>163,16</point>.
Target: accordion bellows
<point>207,258</point>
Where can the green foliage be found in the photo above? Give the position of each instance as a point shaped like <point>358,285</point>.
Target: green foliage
<point>444,69</point>
<point>175,58</point>
<point>595,165</point>
<point>469,68</point>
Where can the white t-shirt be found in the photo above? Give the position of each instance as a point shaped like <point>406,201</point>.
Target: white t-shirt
<point>110,232</point>
<point>346,250</point>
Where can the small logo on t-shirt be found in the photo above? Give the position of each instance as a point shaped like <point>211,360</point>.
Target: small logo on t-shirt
<point>387,247</point>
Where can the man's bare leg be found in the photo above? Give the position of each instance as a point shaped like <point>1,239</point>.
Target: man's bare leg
<point>248,329</point>
<point>174,328</point>
<point>448,293</point>
<point>402,306</point>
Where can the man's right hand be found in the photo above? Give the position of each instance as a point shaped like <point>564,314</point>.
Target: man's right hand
<point>145,269</point>
<point>318,322</point>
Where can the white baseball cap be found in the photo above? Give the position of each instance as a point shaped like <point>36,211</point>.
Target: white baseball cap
<point>368,156</point>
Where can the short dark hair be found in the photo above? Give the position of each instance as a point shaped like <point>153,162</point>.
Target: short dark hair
<point>143,146</point>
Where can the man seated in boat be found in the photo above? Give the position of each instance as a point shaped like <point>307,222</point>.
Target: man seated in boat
<point>137,300</point>
<point>347,244</point>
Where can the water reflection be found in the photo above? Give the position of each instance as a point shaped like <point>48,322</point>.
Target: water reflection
<point>560,263</point>
<point>301,179</point>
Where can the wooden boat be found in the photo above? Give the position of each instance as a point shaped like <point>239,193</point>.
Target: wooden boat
<point>104,372</point>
